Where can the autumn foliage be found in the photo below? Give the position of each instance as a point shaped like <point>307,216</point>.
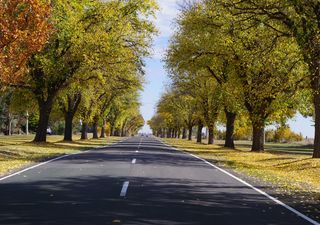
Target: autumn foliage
<point>24,29</point>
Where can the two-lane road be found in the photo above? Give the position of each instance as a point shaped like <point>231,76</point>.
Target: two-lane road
<point>138,181</point>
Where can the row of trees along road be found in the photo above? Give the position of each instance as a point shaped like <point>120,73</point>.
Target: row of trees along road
<point>231,60</point>
<point>76,59</point>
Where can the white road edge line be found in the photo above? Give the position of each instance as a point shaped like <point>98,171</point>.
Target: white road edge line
<point>52,160</point>
<point>37,165</point>
<point>134,161</point>
<point>124,189</point>
<point>253,187</point>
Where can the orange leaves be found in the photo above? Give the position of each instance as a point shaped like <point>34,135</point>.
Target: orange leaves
<point>24,29</point>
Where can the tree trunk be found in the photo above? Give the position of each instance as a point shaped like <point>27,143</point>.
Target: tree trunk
<point>11,120</point>
<point>45,110</point>
<point>84,131</point>
<point>211,135</point>
<point>169,133</point>
<point>111,130</point>
<point>73,102</point>
<point>123,128</point>
<point>179,133</point>
<point>68,127</point>
<point>163,133</point>
<point>95,130</point>
<point>10,125</point>
<point>231,117</point>
<point>316,101</point>
<point>190,133</point>
<point>257,138</point>
<point>117,132</point>
<point>316,148</point>
<point>199,132</point>
<point>103,129</point>
<point>122,131</point>
<point>184,133</point>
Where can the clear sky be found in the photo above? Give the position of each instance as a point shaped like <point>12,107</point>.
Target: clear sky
<point>156,76</point>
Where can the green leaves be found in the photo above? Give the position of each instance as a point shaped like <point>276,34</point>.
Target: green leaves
<point>255,65</point>
<point>97,47</point>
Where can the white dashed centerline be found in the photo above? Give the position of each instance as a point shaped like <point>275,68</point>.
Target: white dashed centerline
<point>124,189</point>
<point>134,161</point>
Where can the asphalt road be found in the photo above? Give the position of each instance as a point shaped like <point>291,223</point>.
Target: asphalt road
<point>138,181</point>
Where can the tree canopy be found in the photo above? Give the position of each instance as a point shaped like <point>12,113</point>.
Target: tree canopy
<point>24,29</point>
<point>92,59</point>
<point>242,59</point>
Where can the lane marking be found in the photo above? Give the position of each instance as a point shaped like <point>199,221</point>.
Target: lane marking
<point>134,161</point>
<point>296,212</point>
<point>124,189</point>
<point>37,165</point>
<point>137,151</point>
<point>54,159</point>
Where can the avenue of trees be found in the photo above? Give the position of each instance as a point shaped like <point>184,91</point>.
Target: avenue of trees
<point>241,63</point>
<point>77,61</point>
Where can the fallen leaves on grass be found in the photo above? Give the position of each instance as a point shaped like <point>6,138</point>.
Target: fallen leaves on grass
<point>19,151</point>
<point>293,172</point>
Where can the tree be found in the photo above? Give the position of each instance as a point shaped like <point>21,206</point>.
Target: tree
<point>24,30</point>
<point>123,109</point>
<point>68,104</point>
<point>156,124</point>
<point>291,19</point>
<point>200,44</point>
<point>283,133</point>
<point>178,110</point>
<point>134,124</point>
<point>88,35</point>
<point>263,69</point>
<point>208,98</point>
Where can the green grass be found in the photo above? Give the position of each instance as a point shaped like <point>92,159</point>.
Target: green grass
<point>19,151</point>
<point>292,172</point>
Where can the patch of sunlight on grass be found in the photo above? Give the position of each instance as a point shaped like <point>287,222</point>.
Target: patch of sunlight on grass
<point>18,150</point>
<point>290,171</point>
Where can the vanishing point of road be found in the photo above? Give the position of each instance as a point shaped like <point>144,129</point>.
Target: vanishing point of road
<point>139,181</point>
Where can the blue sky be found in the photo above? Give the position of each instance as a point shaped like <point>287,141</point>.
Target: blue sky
<point>156,76</point>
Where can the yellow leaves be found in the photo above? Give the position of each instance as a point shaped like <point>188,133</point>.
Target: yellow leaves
<point>17,151</point>
<point>289,171</point>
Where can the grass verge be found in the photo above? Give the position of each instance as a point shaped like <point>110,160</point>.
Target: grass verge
<point>290,172</point>
<point>19,151</point>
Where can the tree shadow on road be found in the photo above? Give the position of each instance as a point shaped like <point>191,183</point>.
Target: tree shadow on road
<point>88,200</point>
